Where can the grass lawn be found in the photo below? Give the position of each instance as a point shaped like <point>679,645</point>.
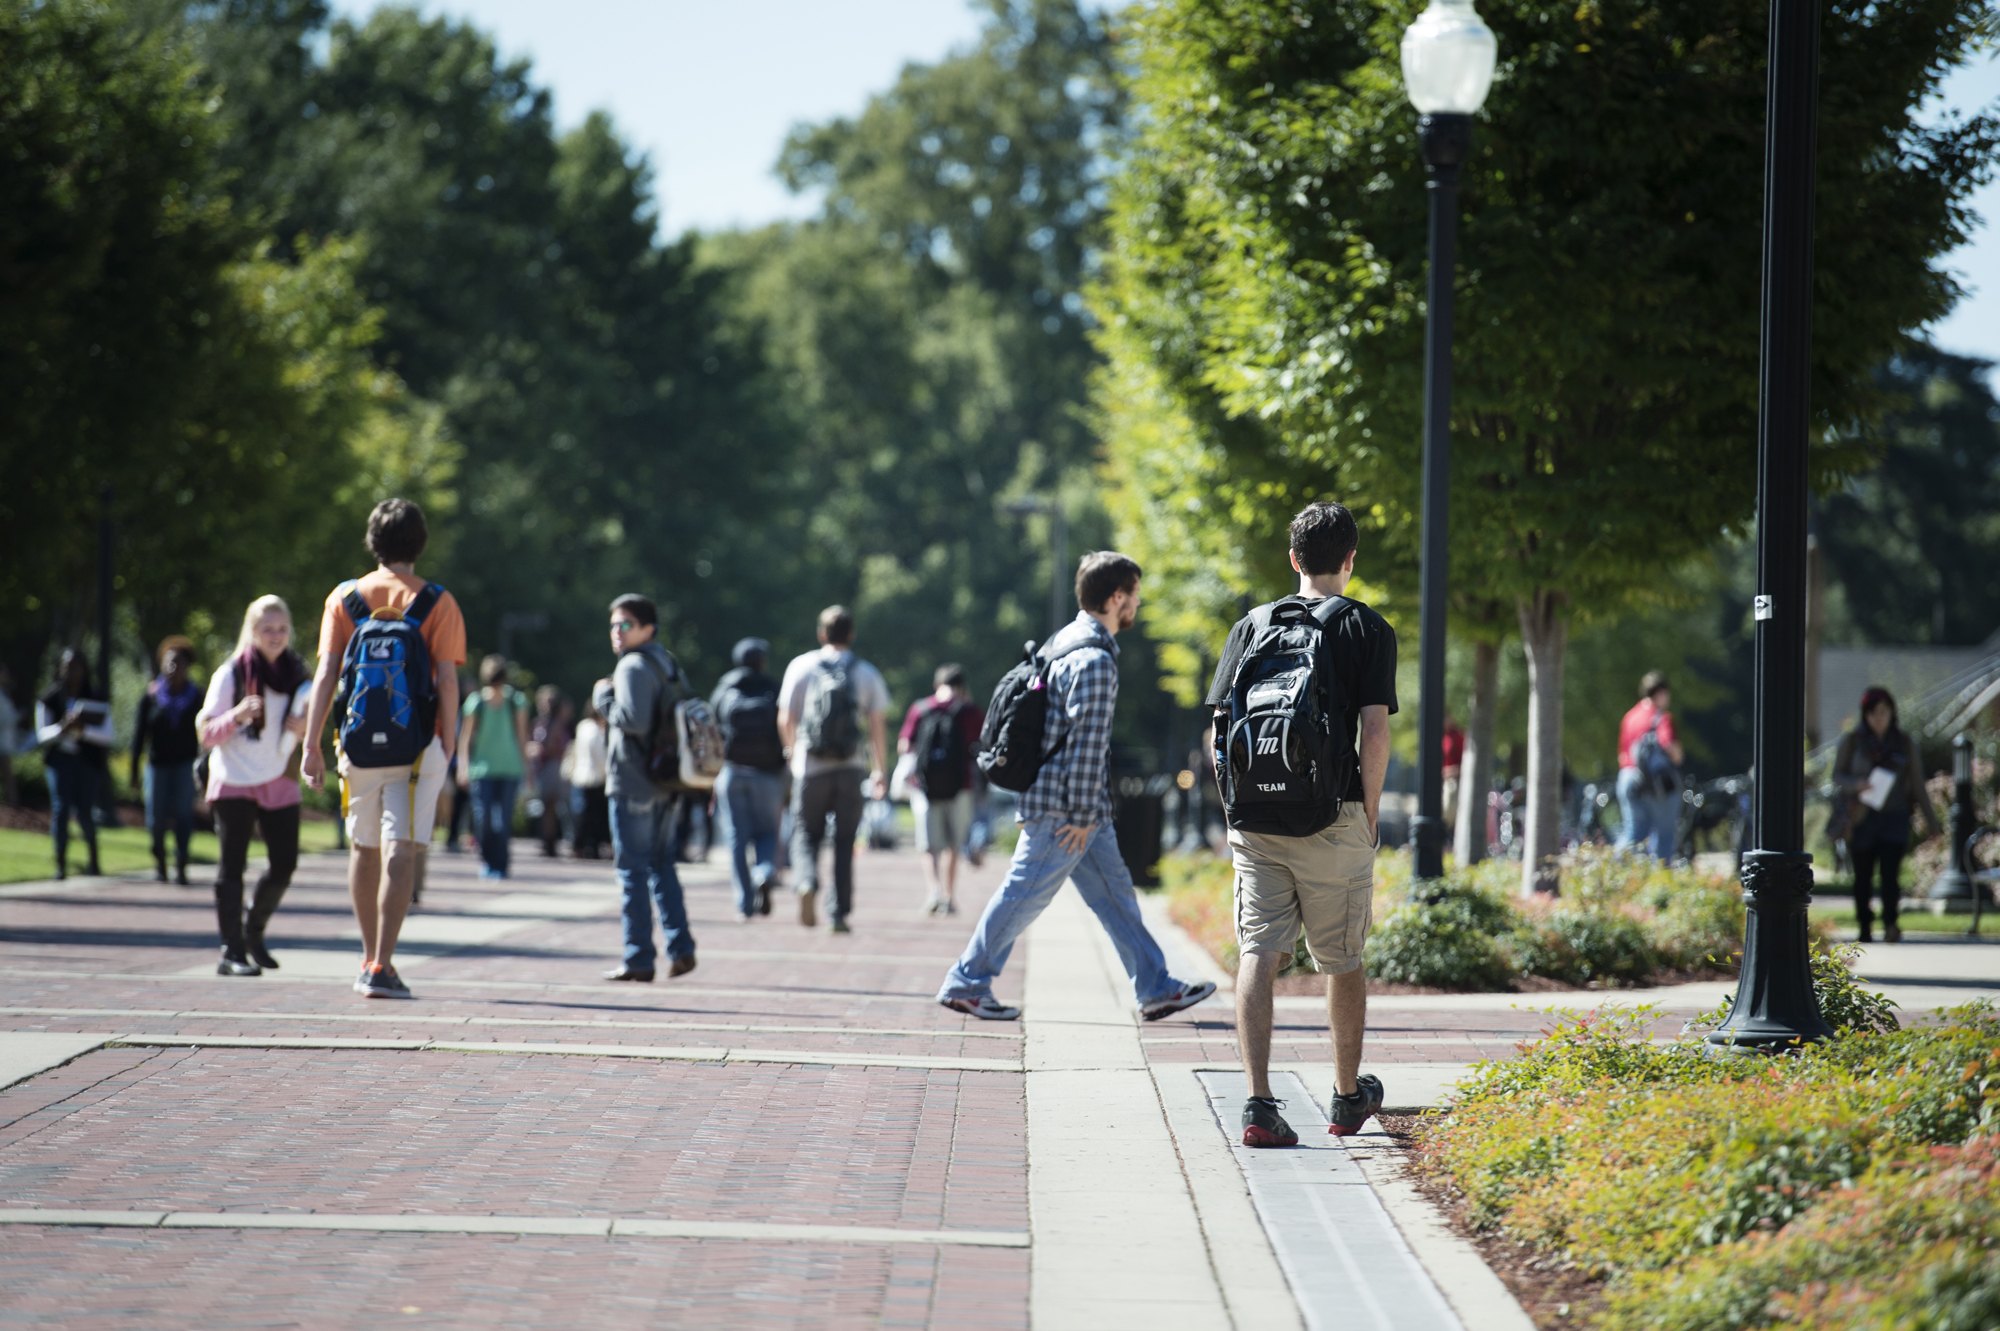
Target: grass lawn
<point>1915,918</point>
<point>28,855</point>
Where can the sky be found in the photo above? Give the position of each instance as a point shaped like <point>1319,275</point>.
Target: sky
<point>708,90</point>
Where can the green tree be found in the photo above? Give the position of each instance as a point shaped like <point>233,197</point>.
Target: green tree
<point>1263,304</point>
<point>929,332</point>
<point>156,348</point>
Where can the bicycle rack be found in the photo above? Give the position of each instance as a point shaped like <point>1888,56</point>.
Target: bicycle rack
<point>1983,880</point>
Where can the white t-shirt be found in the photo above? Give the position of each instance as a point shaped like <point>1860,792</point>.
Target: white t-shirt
<point>871,699</point>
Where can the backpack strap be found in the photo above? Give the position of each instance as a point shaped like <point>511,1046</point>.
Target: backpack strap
<point>426,601</point>
<point>354,602</point>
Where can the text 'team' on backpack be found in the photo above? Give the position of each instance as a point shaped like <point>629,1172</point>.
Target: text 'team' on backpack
<point>1284,756</point>
<point>830,720</point>
<point>939,747</point>
<point>386,706</point>
<point>1010,745</point>
<point>684,750</point>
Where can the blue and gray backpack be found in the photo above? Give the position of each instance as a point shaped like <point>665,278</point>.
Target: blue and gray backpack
<point>387,701</point>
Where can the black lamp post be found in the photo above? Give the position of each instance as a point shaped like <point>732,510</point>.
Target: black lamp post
<point>1954,887</point>
<point>1447,67</point>
<point>1775,1004</point>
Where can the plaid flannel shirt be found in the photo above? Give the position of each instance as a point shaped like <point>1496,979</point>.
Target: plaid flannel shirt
<point>1074,786</point>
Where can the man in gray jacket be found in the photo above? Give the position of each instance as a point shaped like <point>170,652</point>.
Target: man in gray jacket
<point>634,702</point>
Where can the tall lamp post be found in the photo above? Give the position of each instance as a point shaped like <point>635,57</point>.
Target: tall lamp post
<point>1447,67</point>
<point>1775,1004</point>
<point>1059,590</point>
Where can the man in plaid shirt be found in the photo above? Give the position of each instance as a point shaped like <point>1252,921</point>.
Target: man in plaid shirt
<point>1065,816</point>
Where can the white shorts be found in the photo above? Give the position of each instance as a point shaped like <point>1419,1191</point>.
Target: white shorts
<point>393,803</point>
<point>942,824</point>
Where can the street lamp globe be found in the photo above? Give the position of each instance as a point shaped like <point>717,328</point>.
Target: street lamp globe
<point>1448,56</point>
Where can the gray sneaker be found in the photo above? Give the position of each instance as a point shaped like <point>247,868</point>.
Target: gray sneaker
<point>380,981</point>
<point>1349,1112</point>
<point>984,1007</point>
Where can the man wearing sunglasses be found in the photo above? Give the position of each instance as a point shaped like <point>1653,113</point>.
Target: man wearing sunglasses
<point>642,818</point>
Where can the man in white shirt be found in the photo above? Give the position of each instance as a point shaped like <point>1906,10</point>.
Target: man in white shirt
<point>831,711</point>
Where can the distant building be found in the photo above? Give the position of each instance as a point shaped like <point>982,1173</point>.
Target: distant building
<point>1931,684</point>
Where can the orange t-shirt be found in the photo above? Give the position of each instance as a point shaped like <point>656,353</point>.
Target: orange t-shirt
<point>443,629</point>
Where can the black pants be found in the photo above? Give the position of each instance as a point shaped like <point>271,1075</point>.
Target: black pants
<point>1888,857</point>
<point>836,793</point>
<point>233,821</point>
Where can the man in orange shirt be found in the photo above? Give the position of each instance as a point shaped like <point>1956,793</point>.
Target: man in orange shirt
<point>397,804</point>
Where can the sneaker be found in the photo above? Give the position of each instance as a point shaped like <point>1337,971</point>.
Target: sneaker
<point>808,912</point>
<point>933,907</point>
<point>839,927</point>
<point>1349,1112</point>
<point>236,964</point>
<point>951,907</point>
<point>380,981</point>
<point>983,1007</point>
<point>1263,1125</point>
<point>1184,997</point>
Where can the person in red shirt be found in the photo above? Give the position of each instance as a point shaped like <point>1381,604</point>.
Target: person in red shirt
<point>1453,746</point>
<point>944,814</point>
<point>1650,801</point>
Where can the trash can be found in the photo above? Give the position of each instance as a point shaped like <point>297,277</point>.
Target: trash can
<point>1139,817</point>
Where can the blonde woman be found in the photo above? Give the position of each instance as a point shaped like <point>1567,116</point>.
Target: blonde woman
<point>253,720</point>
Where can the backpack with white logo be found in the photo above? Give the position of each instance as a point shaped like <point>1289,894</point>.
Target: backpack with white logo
<point>830,723</point>
<point>387,701</point>
<point>1284,756</point>
<point>684,750</point>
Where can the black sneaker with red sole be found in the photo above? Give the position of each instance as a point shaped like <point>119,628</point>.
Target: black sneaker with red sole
<point>1346,1113</point>
<point>1264,1126</point>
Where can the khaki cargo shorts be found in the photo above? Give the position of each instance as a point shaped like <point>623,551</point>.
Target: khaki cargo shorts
<point>1324,883</point>
<point>393,803</point>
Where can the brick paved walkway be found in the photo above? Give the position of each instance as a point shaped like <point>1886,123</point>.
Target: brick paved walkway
<point>797,1079</point>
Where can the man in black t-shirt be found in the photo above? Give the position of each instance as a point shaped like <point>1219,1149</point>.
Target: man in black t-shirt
<point>1324,882</point>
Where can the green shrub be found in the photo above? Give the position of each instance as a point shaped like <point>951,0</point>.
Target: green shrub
<point>1579,946</point>
<point>1448,942</point>
<point>1697,926</point>
<point>1847,1005</point>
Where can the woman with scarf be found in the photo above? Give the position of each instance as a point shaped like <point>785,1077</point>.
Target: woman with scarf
<point>74,723</point>
<point>253,719</point>
<point>1878,772</point>
<point>166,726</point>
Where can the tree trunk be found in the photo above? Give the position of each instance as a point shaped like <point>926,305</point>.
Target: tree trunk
<point>1475,773</point>
<point>1544,639</point>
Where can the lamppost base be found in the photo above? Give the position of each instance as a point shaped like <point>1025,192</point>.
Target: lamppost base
<point>1775,1005</point>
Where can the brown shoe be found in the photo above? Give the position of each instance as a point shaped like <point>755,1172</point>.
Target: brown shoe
<point>679,966</point>
<point>808,913</point>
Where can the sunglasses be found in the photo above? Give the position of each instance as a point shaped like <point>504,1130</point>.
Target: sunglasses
<point>622,626</point>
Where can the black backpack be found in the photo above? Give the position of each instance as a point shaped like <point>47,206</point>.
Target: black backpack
<point>1284,756</point>
<point>939,746</point>
<point>830,725</point>
<point>1010,745</point>
<point>748,715</point>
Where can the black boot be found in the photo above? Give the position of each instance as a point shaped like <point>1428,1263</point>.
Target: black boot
<point>159,861</point>
<point>263,905</point>
<point>181,871</point>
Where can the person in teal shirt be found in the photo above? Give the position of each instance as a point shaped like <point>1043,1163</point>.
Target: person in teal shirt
<point>494,740</point>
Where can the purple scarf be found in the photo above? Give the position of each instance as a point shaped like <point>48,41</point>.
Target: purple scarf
<point>256,675</point>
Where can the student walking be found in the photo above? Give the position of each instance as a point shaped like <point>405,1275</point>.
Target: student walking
<point>390,643</point>
<point>1879,773</point>
<point>1649,780</point>
<point>167,728</point>
<point>494,737</point>
<point>73,726</point>
<point>831,711</point>
<point>1065,815</point>
<point>549,737</point>
<point>750,794</point>
<point>635,702</point>
<point>590,816</point>
<point>1302,695</point>
<point>942,733</point>
<point>253,719</point>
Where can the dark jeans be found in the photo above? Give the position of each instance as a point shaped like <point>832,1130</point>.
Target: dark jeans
<point>170,806</point>
<point>72,791</point>
<point>233,821</point>
<point>837,793</point>
<point>1870,854</point>
<point>591,821</point>
<point>493,818</point>
<point>750,803</point>
<point>642,842</point>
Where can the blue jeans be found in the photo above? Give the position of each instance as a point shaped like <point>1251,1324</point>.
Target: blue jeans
<point>751,804</point>
<point>642,843</point>
<point>1034,877</point>
<point>72,791</point>
<point>170,805</point>
<point>493,818</point>
<point>1653,821</point>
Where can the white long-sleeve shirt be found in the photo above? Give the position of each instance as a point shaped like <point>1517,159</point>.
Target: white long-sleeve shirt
<point>97,728</point>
